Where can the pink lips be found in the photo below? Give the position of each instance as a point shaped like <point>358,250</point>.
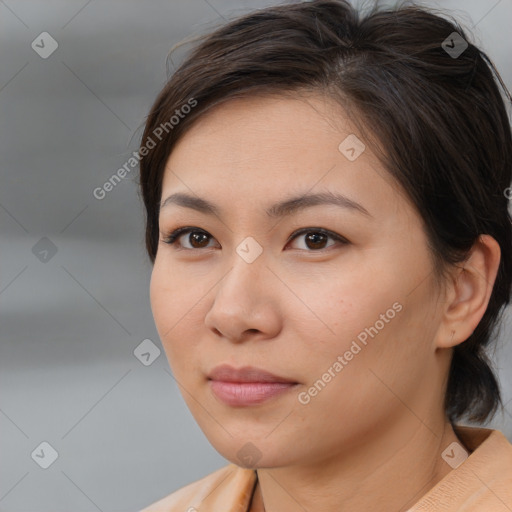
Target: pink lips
<point>247,385</point>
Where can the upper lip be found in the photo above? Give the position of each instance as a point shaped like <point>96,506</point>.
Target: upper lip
<point>227,373</point>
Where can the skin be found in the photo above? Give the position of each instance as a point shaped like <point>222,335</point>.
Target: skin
<point>372,438</point>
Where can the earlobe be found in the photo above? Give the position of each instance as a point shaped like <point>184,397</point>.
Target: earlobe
<point>470,292</point>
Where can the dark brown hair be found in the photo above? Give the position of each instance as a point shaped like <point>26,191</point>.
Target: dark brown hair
<point>440,118</point>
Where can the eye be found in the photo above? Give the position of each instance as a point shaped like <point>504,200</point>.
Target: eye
<point>314,240</point>
<point>197,237</point>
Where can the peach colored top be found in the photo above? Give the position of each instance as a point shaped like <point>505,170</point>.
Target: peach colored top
<point>482,482</point>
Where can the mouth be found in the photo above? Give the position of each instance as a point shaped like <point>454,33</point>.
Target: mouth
<point>226,373</point>
<point>247,386</point>
<point>243,394</point>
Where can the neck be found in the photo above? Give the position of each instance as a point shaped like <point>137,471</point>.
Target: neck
<point>389,471</point>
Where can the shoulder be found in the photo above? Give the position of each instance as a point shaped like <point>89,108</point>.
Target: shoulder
<point>230,485</point>
<point>480,483</point>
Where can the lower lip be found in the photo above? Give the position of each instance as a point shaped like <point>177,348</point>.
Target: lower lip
<point>248,393</point>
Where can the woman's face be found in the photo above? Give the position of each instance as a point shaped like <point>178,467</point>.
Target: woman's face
<point>345,309</point>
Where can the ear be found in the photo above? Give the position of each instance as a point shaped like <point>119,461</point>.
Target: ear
<point>469,292</point>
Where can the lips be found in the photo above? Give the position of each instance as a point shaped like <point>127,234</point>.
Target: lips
<point>247,386</point>
<point>226,373</point>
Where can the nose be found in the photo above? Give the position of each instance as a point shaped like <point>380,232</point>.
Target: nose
<point>246,302</point>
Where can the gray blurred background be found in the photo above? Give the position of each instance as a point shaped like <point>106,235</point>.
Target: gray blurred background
<point>74,276</point>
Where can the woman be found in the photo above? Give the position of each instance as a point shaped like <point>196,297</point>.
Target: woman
<point>327,217</point>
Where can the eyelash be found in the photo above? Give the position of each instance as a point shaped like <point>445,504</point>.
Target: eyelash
<point>177,233</point>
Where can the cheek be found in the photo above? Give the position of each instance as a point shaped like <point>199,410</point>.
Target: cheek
<point>163,301</point>
<point>173,294</point>
<point>341,307</point>
<point>368,320</point>
<point>174,303</point>
<point>358,341</point>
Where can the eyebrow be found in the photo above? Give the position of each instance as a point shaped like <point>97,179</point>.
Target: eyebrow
<point>281,209</point>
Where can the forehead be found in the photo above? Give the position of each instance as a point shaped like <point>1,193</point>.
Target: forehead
<point>263,134</point>
<point>267,146</point>
<point>275,119</point>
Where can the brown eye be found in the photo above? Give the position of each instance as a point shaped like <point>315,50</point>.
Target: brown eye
<point>196,239</point>
<point>315,239</point>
